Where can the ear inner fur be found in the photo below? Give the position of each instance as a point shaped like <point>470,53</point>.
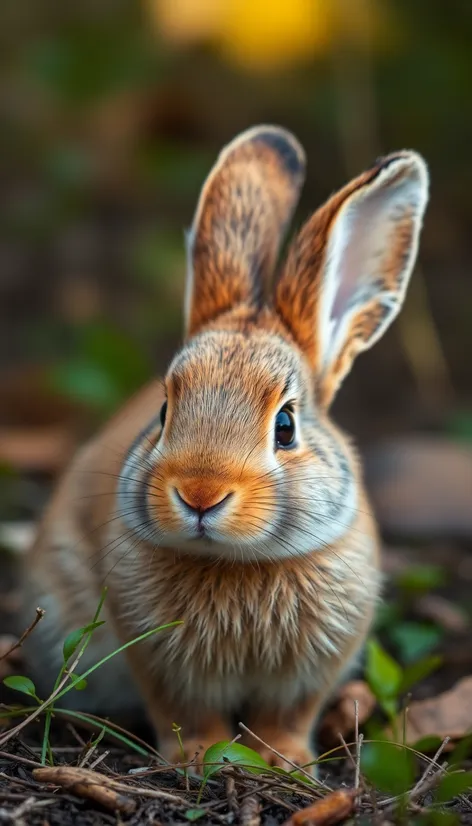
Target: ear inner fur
<point>305,294</point>
<point>244,208</point>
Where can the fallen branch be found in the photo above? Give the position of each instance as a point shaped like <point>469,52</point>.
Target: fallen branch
<point>68,776</point>
<point>327,811</point>
<point>88,784</point>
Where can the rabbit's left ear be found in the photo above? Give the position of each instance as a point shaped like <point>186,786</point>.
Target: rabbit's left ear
<point>347,272</point>
<point>243,211</point>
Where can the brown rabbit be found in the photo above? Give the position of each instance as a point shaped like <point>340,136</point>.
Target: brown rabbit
<point>226,497</point>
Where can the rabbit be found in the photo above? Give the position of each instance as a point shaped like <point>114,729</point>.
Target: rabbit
<point>225,497</point>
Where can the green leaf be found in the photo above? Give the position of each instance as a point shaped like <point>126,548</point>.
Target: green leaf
<point>73,640</point>
<point>462,751</point>
<point>453,784</point>
<point>460,426</point>
<point>87,383</point>
<point>390,706</point>
<point>79,682</point>
<point>438,818</point>
<point>418,671</point>
<point>384,675</point>
<point>225,751</point>
<point>195,814</point>
<point>117,651</point>
<point>387,615</point>
<point>428,744</point>
<point>421,578</point>
<point>23,684</point>
<point>415,639</point>
<point>298,775</point>
<point>388,767</point>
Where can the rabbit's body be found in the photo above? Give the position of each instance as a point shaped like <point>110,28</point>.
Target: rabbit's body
<point>266,551</point>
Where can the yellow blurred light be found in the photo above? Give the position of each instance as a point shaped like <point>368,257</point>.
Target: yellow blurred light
<point>266,34</point>
<point>184,21</point>
<point>261,35</point>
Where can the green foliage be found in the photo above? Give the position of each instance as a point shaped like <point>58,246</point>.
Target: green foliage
<point>427,745</point>
<point>452,785</point>
<point>107,368</point>
<point>415,639</point>
<point>75,643</point>
<point>108,728</point>
<point>195,814</point>
<point>462,751</point>
<point>388,767</point>
<point>387,615</point>
<point>22,684</point>
<point>460,426</point>
<point>435,817</point>
<point>416,672</point>
<point>230,752</point>
<point>388,680</point>
<point>384,676</point>
<point>418,579</point>
<point>79,683</point>
<point>73,640</point>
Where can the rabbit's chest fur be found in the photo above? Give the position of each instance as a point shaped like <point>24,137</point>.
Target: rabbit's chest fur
<point>247,629</point>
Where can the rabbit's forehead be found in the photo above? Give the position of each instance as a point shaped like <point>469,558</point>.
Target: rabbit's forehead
<point>259,367</point>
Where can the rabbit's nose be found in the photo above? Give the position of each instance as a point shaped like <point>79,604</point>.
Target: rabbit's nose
<point>202,497</point>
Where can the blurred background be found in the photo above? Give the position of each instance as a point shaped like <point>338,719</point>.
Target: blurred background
<point>112,113</point>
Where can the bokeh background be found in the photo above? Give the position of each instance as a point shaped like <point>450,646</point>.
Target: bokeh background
<point>112,113</point>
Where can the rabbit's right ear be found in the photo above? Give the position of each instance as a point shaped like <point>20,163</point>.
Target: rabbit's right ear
<point>347,272</point>
<point>244,208</point>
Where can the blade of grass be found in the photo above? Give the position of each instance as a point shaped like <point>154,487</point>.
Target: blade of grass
<point>119,650</point>
<point>107,728</point>
<point>45,746</point>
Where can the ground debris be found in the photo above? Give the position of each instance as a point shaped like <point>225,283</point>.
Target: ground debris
<point>250,814</point>
<point>341,717</point>
<point>329,810</point>
<point>86,783</point>
<point>447,715</point>
<point>438,609</point>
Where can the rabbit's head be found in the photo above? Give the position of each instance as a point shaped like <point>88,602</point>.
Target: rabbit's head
<point>242,461</point>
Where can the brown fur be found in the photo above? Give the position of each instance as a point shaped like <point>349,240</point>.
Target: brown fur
<point>277,592</point>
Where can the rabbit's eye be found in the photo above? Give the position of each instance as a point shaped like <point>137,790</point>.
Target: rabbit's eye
<point>284,428</point>
<point>162,414</point>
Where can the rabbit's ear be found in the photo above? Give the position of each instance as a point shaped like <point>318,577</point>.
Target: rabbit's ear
<point>346,273</point>
<point>243,211</point>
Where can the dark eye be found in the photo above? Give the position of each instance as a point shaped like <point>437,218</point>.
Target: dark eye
<point>284,428</point>
<point>163,414</point>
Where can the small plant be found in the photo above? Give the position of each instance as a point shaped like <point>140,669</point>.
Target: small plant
<point>73,648</point>
<point>389,681</point>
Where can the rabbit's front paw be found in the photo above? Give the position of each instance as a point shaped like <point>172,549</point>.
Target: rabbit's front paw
<point>194,749</point>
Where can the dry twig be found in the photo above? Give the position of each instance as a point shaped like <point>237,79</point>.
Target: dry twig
<point>40,612</point>
<point>282,757</point>
<point>250,813</point>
